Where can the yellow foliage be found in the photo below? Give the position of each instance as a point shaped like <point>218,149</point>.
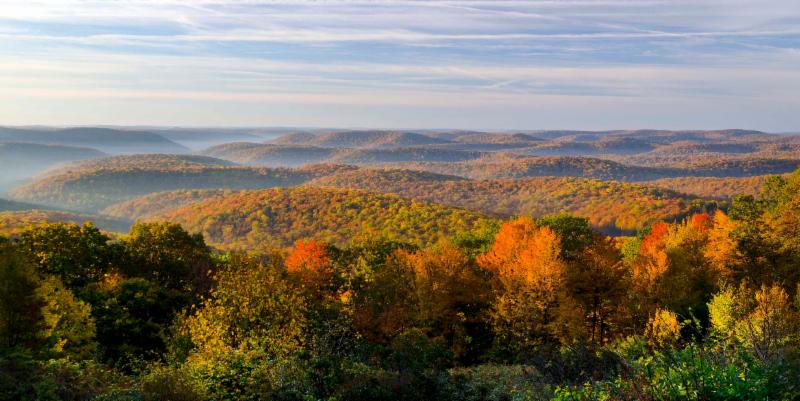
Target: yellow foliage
<point>68,324</point>
<point>252,310</point>
<point>530,277</point>
<point>764,320</point>
<point>721,249</point>
<point>663,329</point>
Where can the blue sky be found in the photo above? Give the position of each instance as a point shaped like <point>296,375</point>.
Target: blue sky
<point>500,64</point>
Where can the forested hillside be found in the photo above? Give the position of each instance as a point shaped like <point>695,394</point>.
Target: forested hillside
<point>12,221</point>
<point>96,184</point>
<point>347,295</point>
<point>515,166</point>
<point>610,206</point>
<point>160,202</point>
<point>145,161</point>
<point>359,139</point>
<point>298,155</point>
<point>9,205</point>
<point>713,187</point>
<point>523,167</point>
<point>280,216</point>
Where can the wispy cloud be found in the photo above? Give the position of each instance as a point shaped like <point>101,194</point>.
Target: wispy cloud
<point>401,54</point>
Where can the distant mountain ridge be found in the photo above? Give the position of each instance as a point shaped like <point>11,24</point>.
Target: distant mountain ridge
<point>21,160</point>
<point>98,183</point>
<point>272,155</point>
<point>105,139</point>
<point>359,139</point>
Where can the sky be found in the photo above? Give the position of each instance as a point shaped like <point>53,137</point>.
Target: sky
<point>501,64</point>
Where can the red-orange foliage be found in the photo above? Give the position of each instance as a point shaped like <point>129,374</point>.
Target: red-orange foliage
<point>701,222</point>
<point>530,278</point>
<point>657,234</point>
<point>310,263</point>
<point>524,255</point>
<point>508,243</point>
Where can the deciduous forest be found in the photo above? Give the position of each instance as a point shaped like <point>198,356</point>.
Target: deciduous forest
<point>519,308</point>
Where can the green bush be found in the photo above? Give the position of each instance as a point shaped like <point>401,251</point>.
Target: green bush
<point>166,383</point>
<point>496,383</point>
<point>695,372</point>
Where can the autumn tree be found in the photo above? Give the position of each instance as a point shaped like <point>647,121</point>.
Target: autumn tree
<point>38,313</point>
<point>764,320</point>
<point>133,316</point>
<point>781,198</point>
<point>251,309</point>
<point>663,329</point>
<point>530,281</point>
<point>247,334</point>
<point>672,271</point>
<point>68,327</point>
<point>383,300</point>
<point>575,232</point>
<point>310,263</point>
<point>722,250</point>
<point>448,295</point>
<point>598,281</point>
<point>759,252</point>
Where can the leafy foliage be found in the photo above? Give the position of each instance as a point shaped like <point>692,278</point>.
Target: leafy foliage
<point>612,206</point>
<point>283,215</point>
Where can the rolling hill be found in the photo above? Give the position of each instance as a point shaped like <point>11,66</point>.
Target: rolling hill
<point>12,222</point>
<point>511,166</point>
<point>108,140</point>
<point>20,161</point>
<point>156,203</point>
<point>9,205</point>
<point>499,139</point>
<point>160,202</point>
<point>611,206</point>
<point>145,161</point>
<point>713,187</point>
<point>296,155</point>
<point>359,139</point>
<point>521,167</point>
<point>201,138</point>
<point>97,184</point>
<point>280,216</point>
<point>256,154</point>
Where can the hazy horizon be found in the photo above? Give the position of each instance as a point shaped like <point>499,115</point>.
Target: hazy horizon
<point>145,127</point>
<point>501,65</point>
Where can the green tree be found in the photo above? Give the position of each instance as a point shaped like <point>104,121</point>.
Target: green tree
<point>20,308</point>
<point>575,232</point>
<point>133,316</point>
<point>78,255</point>
<point>68,325</point>
<point>248,333</point>
<point>168,255</point>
